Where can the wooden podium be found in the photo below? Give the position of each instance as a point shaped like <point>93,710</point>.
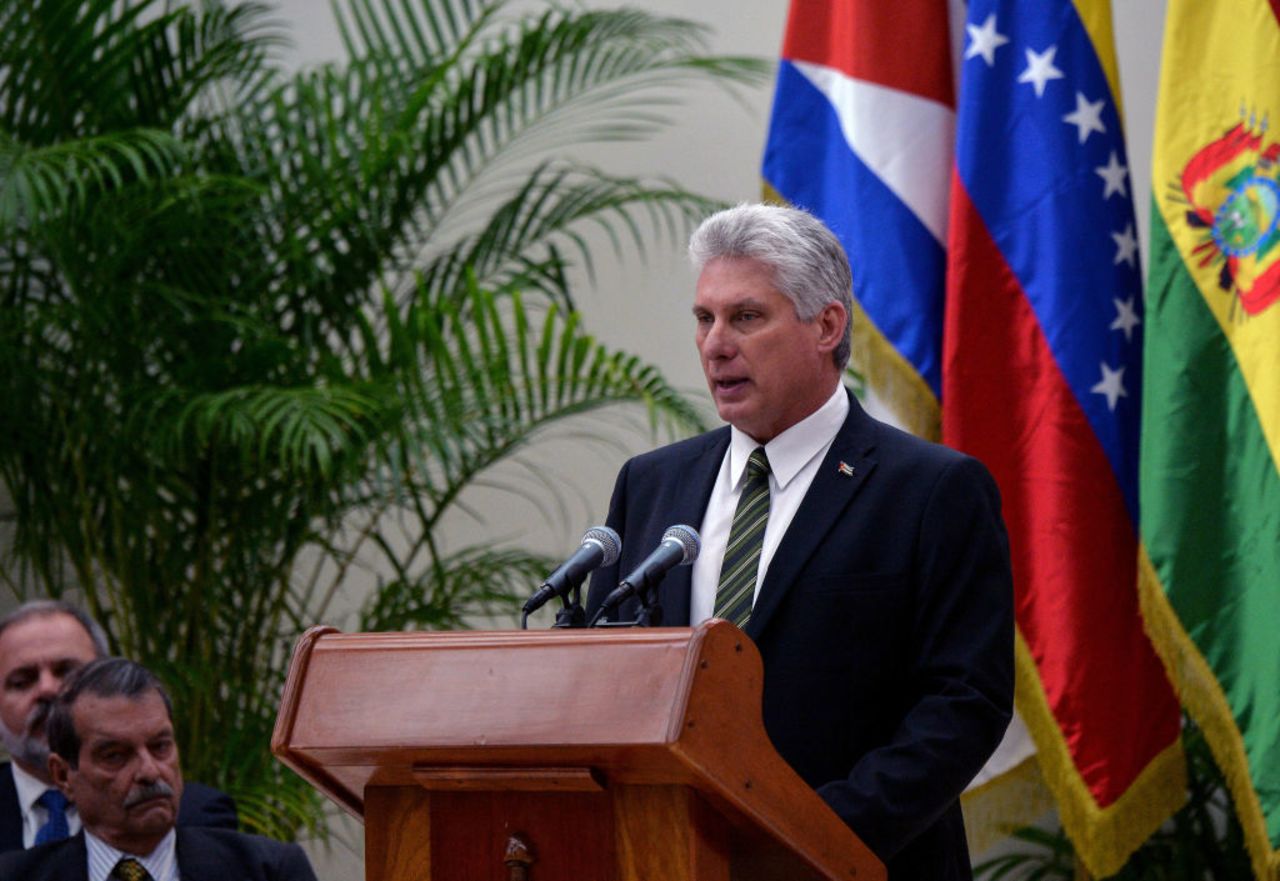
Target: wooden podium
<point>561,755</point>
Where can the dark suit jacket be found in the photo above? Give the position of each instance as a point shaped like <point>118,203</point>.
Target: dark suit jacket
<point>200,806</point>
<point>885,622</point>
<point>203,855</point>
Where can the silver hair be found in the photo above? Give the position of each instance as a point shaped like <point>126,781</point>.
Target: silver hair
<point>808,262</point>
<point>45,608</point>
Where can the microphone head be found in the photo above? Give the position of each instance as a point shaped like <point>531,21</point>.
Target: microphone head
<point>688,539</point>
<point>608,540</point>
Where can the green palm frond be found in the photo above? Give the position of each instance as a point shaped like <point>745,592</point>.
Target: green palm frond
<point>308,431</point>
<point>473,582</point>
<point>488,375</point>
<point>61,57</point>
<point>223,54</point>
<point>412,35</point>
<point>40,183</point>
<point>481,379</point>
<point>75,67</point>
<point>534,226</point>
<point>374,167</point>
<point>529,89</point>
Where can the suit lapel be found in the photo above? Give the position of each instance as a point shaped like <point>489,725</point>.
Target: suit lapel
<point>696,477</point>
<point>10,811</point>
<point>832,490</point>
<point>71,863</point>
<point>195,862</point>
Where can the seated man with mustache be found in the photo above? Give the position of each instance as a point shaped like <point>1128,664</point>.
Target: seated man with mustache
<point>114,755</point>
<point>41,643</point>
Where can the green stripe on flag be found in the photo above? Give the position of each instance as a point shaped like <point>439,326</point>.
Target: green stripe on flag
<point>1210,503</point>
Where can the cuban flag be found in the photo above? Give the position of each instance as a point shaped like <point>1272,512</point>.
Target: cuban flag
<point>1041,380</point>
<point>861,135</point>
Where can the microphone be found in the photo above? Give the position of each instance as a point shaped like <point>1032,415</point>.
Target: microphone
<point>679,547</point>
<point>600,547</point>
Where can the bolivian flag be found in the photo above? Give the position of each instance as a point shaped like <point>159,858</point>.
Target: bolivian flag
<point>1210,456</point>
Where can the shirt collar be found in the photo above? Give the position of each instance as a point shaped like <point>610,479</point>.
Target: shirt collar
<point>791,450</point>
<point>103,858</point>
<point>29,787</point>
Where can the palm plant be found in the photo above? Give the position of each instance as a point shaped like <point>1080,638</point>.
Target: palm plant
<point>260,328</point>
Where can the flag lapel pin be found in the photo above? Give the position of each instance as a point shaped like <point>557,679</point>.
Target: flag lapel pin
<point>845,469</point>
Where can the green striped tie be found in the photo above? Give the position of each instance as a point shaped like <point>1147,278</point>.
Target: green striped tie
<point>746,537</point>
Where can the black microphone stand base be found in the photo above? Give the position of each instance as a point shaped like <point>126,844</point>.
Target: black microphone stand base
<point>572,615</point>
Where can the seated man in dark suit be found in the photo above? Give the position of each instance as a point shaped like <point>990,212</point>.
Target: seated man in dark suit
<point>41,643</point>
<point>114,755</point>
<point>870,568</point>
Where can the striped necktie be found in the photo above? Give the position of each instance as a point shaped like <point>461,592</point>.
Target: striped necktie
<point>737,587</point>
<point>129,869</point>
<point>55,828</point>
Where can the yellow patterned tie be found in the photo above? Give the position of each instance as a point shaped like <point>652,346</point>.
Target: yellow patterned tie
<point>737,588</point>
<point>129,869</point>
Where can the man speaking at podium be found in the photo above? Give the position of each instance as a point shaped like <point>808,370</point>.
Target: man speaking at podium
<point>870,568</point>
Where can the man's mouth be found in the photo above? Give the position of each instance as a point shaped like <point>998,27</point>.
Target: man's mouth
<point>728,384</point>
<point>147,803</point>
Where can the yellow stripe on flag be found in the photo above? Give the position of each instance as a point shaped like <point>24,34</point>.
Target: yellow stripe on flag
<point>1095,15</point>
<point>1231,49</point>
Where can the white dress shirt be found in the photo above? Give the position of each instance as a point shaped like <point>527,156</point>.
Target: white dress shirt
<point>161,863</point>
<point>34,816</point>
<point>794,457</point>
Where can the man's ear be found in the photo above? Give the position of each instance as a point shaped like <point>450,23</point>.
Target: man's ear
<point>832,321</point>
<point>60,772</point>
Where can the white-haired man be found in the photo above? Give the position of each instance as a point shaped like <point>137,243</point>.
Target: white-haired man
<point>870,568</point>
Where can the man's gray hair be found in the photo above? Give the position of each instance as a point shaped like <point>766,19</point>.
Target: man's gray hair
<point>808,262</point>
<point>105,678</point>
<point>45,608</point>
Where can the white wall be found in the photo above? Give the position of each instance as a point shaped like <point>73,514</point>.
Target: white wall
<point>642,305</point>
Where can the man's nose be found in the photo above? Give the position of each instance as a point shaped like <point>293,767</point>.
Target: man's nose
<point>148,770</point>
<point>716,342</point>
<point>49,685</point>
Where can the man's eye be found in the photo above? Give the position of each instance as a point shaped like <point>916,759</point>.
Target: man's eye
<point>19,683</point>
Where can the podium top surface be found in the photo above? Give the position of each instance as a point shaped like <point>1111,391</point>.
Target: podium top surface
<point>367,694</point>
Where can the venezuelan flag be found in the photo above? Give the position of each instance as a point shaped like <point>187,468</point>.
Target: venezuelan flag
<point>1042,380</point>
<point>1210,475</point>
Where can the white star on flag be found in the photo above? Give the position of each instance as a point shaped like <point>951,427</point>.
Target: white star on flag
<point>985,40</point>
<point>1126,246</point>
<point>1126,317</point>
<point>1113,173</point>
<point>1040,69</point>
<point>1111,385</point>
<point>1087,117</point>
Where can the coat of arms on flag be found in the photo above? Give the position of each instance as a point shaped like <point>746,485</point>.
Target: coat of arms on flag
<point>1232,186</point>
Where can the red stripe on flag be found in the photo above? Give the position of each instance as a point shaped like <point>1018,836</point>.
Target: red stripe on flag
<point>1073,544</point>
<point>903,45</point>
